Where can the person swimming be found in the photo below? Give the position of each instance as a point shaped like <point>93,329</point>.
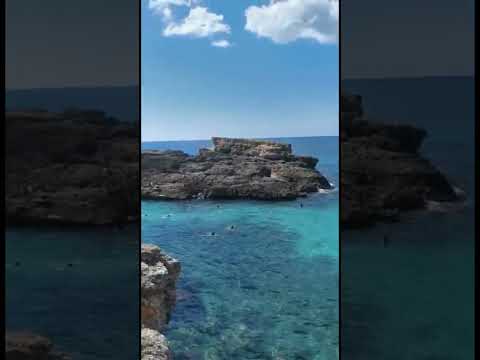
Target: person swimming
<point>386,240</point>
<point>70,265</point>
<point>301,205</point>
<point>232,227</point>
<point>17,263</point>
<point>212,233</point>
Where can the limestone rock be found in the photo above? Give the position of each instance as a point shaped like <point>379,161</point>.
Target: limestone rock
<point>154,346</point>
<point>382,172</point>
<point>70,168</point>
<point>234,169</point>
<point>27,346</point>
<point>158,296</point>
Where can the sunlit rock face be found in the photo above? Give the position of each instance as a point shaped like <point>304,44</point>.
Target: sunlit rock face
<point>159,275</point>
<point>233,169</point>
<point>154,346</point>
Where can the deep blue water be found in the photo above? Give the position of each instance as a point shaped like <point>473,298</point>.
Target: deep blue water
<point>89,310</point>
<point>415,299</point>
<point>268,289</point>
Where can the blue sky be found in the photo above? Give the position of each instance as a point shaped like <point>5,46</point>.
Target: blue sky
<point>277,78</point>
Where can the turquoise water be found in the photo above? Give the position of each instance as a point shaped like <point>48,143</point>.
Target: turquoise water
<point>89,310</point>
<point>267,289</point>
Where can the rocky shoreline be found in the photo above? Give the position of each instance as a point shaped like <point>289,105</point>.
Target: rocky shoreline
<point>233,169</point>
<point>158,296</point>
<point>71,168</point>
<point>28,346</point>
<point>382,171</point>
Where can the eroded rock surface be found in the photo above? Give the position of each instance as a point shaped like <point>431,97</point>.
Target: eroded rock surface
<point>234,169</point>
<point>382,171</point>
<point>77,167</point>
<point>159,275</point>
<point>27,346</point>
<point>154,346</point>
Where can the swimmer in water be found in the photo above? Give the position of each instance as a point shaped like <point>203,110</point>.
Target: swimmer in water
<point>301,205</point>
<point>17,263</point>
<point>69,264</point>
<point>232,227</point>
<point>386,240</point>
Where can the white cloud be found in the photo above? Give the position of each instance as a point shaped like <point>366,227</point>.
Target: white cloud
<point>221,43</point>
<point>164,7</point>
<point>167,14</point>
<point>160,5</point>
<point>199,23</point>
<point>284,21</point>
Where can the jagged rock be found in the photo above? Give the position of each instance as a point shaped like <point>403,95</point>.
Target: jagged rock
<point>154,346</point>
<point>234,169</point>
<point>158,296</point>
<point>382,172</point>
<point>26,346</point>
<point>70,168</point>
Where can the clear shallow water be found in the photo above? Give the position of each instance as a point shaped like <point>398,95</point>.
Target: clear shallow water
<point>89,310</point>
<point>415,299</point>
<point>267,289</point>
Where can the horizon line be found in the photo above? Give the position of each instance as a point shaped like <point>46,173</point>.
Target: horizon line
<point>412,77</point>
<point>73,87</point>
<point>247,138</point>
<point>139,85</point>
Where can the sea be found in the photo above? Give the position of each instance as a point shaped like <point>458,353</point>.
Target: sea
<point>77,286</point>
<point>415,298</point>
<point>266,288</point>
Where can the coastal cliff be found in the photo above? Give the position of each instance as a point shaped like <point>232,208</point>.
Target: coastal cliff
<point>158,296</point>
<point>76,167</point>
<point>382,170</point>
<point>233,169</point>
<point>28,346</point>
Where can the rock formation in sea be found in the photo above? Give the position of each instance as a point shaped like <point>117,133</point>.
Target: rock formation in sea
<point>233,169</point>
<point>382,171</point>
<point>158,296</point>
<point>76,167</point>
<point>28,346</point>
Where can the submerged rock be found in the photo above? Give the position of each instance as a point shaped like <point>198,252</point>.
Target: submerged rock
<point>27,346</point>
<point>382,172</point>
<point>77,167</point>
<point>234,169</point>
<point>158,296</point>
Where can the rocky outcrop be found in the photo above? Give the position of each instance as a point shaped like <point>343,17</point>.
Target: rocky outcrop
<point>154,346</point>
<point>159,275</point>
<point>27,346</point>
<point>382,172</point>
<point>77,167</point>
<point>234,169</point>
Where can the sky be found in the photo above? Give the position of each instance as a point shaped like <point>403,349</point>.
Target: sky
<point>58,43</point>
<point>239,68</point>
<point>408,38</point>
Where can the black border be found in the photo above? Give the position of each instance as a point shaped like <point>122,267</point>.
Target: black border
<point>139,122</point>
<point>340,242</point>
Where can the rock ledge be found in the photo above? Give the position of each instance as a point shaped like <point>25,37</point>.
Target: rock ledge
<point>159,275</point>
<point>233,169</point>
